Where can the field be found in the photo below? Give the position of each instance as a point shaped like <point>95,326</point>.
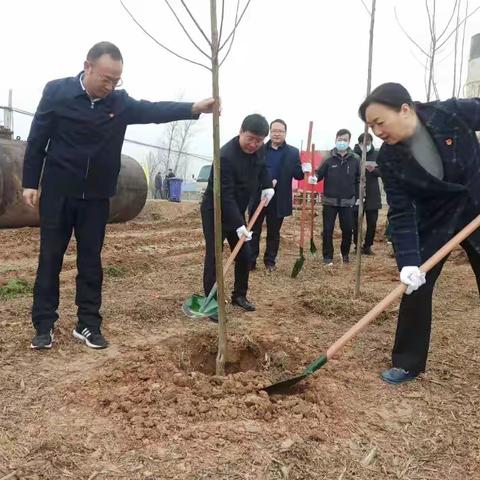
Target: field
<point>151,407</point>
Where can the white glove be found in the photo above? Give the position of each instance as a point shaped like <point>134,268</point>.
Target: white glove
<point>267,193</point>
<point>312,180</point>
<point>357,202</point>
<point>243,232</point>
<point>306,167</point>
<point>413,277</point>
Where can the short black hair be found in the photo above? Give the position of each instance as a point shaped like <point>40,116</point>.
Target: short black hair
<point>343,131</point>
<point>256,124</point>
<point>390,94</point>
<point>104,48</point>
<point>279,120</point>
<point>369,138</point>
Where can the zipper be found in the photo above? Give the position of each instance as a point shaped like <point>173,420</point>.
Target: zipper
<point>92,104</point>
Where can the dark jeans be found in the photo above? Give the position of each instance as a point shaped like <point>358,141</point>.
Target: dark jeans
<point>59,217</point>
<point>371,216</point>
<point>412,339</point>
<point>345,215</point>
<point>242,261</point>
<point>274,224</point>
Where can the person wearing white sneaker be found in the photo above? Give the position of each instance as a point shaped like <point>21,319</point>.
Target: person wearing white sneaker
<point>430,167</point>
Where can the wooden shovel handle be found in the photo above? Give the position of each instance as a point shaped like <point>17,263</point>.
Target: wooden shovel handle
<point>241,241</point>
<point>312,193</point>
<point>400,290</point>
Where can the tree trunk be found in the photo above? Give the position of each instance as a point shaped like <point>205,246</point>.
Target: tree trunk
<point>364,157</point>
<point>222,328</point>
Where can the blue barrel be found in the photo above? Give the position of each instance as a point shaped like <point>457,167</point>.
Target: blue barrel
<point>175,189</point>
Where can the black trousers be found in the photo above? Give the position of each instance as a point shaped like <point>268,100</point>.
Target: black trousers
<point>412,339</point>
<point>345,215</point>
<point>274,224</point>
<point>371,217</point>
<point>59,217</point>
<point>242,261</point>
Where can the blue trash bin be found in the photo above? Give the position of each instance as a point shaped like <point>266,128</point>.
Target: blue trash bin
<point>175,189</point>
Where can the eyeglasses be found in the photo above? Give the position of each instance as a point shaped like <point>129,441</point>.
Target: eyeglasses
<point>114,83</point>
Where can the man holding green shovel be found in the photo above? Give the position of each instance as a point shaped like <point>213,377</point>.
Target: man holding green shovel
<point>242,169</point>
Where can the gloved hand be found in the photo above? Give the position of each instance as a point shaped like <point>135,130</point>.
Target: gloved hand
<point>413,277</point>
<point>242,231</point>
<point>306,167</point>
<point>312,180</point>
<point>267,193</point>
<point>357,202</point>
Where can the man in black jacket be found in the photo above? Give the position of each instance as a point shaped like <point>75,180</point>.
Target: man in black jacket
<point>242,169</point>
<point>76,137</point>
<point>283,163</point>
<point>341,171</point>
<point>373,200</point>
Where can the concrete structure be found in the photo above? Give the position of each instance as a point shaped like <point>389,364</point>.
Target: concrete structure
<point>125,205</point>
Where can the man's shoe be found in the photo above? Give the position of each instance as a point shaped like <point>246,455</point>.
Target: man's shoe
<point>91,339</point>
<point>243,303</point>
<point>367,251</point>
<point>397,375</point>
<point>270,268</point>
<point>345,259</point>
<point>42,341</point>
<point>328,262</point>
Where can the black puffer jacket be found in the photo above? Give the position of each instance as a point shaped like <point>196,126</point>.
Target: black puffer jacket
<point>373,198</point>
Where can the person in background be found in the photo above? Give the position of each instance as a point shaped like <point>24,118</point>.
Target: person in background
<point>373,200</point>
<point>158,185</point>
<point>283,163</point>
<point>341,172</point>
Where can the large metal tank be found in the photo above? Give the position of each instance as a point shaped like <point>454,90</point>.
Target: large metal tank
<point>472,85</point>
<point>125,205</point>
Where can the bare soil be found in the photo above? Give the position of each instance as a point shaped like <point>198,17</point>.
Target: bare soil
<point>151,407</point>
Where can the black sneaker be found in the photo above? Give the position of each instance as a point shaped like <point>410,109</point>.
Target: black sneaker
<point>91,339</point>
<point>345,259</point>
<point>42,340</point>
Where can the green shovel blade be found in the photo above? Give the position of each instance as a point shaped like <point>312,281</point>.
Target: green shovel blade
<point>196,306</point>
<point>298,264</point>
<point>313,247</point>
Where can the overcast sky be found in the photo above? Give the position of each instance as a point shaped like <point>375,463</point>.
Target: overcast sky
<point>298,60</point>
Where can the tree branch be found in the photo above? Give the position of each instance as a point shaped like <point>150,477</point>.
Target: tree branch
<point>196,23</point>
<point>463,21</point>
<point>185,30</point>
<point>235,26</point>
<point>366,8</point>
<point>160,44</point>
<point>461,54</point>
<point>407,35</point>
<point>221,22</point>
<point>449,21</point>
<point>233,36</point>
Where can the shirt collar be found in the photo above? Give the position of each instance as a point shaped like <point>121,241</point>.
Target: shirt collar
<point>82,85</point>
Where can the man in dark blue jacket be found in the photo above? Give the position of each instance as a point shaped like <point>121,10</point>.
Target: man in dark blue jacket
<point>242,170</point>
<point>341,171</point>
<point>430,166</point>
<point>74,150</point>
<point>283,163</point>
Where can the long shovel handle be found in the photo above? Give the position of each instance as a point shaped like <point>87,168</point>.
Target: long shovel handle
<point>237,248</point>
<point>312,195</point>
<point>400,290</point>
<point>304,196</point>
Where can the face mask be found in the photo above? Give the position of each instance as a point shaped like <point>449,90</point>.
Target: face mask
<point>341,145</point>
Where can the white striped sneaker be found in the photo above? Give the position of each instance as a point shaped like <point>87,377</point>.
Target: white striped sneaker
<point>91,339</point>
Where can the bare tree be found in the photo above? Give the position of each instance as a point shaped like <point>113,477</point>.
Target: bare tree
<point>438,39</point>
<point>213,53</point>
<point>364,152</point>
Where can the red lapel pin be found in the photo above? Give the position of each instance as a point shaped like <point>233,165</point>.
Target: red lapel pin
<point>448,141</point>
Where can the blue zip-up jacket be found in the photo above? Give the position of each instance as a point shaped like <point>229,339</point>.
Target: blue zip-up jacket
<point>81,140</point>
<point>425,212</point>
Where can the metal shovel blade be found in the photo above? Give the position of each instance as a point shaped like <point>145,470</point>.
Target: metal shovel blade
<point>196,307</point>
<point>298,264</point>
<point>284,385</point>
